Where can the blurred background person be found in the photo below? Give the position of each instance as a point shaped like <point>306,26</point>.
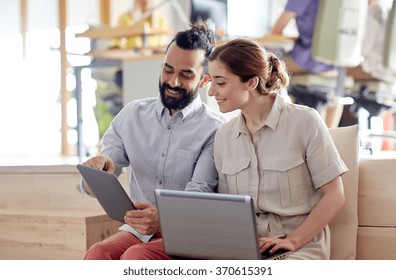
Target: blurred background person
<point>299,60</point>
<point>372,67</point>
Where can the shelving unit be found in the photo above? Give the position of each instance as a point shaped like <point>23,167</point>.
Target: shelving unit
<point>116,57</point>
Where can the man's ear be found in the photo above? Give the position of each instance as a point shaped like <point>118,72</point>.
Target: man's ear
<point>252,83</point>
<point>205,80</point>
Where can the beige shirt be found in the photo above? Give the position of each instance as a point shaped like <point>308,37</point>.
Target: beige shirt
<point>282,168</point>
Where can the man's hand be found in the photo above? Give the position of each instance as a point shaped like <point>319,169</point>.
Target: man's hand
<point>101,162</point>
<point>145,220</point>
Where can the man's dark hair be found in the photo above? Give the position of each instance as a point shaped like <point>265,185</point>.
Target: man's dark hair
<point>199,36</point>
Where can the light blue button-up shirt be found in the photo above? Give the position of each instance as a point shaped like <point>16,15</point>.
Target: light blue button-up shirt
<point>164,151</point>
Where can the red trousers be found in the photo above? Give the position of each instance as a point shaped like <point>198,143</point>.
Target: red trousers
<point>125,246</point>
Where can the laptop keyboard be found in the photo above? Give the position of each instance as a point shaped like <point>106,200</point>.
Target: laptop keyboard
<point>279,254</point>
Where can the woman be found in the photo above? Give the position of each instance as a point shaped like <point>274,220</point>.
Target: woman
<point>279,153</point>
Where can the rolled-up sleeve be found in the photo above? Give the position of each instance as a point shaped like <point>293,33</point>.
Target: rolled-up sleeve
<point>323,159</point>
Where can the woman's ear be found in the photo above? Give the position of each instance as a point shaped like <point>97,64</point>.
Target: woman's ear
<point>252,83</point>
<point>205,80</point>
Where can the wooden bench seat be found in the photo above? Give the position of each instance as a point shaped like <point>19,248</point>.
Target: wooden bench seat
<point>56,234</point>
<point>376,238</point>
<point>43,215</point>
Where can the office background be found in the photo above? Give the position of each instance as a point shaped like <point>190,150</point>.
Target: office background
<point>38,53</point>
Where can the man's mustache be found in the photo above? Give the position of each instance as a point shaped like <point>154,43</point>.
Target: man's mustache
<point>177,89</point>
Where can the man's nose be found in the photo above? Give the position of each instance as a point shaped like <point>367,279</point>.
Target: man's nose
<point>174,81</point>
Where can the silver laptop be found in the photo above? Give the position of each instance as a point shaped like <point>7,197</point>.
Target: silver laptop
<point>209,226</point>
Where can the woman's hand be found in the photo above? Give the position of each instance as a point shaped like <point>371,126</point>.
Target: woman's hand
<point>275,243</point>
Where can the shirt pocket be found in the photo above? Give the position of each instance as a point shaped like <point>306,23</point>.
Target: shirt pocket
<point>283,179</point>
<point>187,154</point>
<point>181,167</point>
<point>236,172</point>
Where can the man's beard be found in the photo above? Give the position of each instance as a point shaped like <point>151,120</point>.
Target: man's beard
<point>176,103</point>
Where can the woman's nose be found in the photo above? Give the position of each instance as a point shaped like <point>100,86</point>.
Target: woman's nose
<point>211,91</point>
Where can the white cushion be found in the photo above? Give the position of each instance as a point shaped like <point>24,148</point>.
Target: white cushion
<point>344,226</point>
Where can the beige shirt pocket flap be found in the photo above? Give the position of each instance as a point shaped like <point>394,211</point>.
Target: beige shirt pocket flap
<point>232,166</point>
<point>282,161</point>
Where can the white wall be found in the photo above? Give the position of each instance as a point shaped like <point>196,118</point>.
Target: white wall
<point>249,18</point>
<point>9,16</point>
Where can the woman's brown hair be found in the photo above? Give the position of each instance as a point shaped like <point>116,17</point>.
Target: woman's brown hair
<point>247,59</point>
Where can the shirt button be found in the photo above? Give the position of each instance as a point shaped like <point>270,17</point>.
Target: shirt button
<point>169,127</point>
<point>160,182</point>
<point>163,155</point>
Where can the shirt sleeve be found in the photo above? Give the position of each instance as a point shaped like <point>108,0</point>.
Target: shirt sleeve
<point>113,143</point>
<point>205,177</point>
<point>323,159</point>
<point>298,6</point>
<point>82,189</point>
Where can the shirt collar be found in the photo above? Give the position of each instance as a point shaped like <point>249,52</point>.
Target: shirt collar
<point>274,115</point>
<point>271,121</point>
<point>190,109</point>
<point>240,128</point>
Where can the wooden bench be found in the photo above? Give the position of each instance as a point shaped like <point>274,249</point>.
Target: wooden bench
<point>43,215</point>
<point>376,238</point>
